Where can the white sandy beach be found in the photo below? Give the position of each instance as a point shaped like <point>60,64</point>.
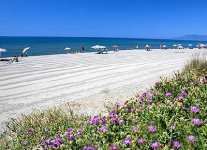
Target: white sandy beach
<point>86,80</point>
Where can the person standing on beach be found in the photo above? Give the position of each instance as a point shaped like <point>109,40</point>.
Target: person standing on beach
<point>82,49</point>
<point>160,46</point>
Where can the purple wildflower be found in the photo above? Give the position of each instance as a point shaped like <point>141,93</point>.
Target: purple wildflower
<point>135,129</point>
<point>129,110</point>
<point>25,143</point>
<point>140,99</point>
<point>71,137</point>
<point>56,143</point>
<point>50,143</point>
<point>69,131</point>
<point>95,120</point>
<point>117,104</point>
<point>30,131</point>
<point>194,109</point>
<point>196,121</point>
<point>141,141</point>
<point>151,129</point>
<point>183,93</point>
<point>60,140</point>
<point>113,147</point>
<point>176,144</point>
<point>127,141</point>
<point>78,133</point>
<point>89,148</point>
<point>168,94</point>
<point>144,94</point>
<point>153,92</point>
<point>148,96</point>
<point>121,121</point>
<point>102,129</point>
<point>114,119</point>
<point>113,112</point>
<point>104,121</point>
<point>150,101</point>
<point>155,145</point>
<point>180,98</point>
<point>123,108</point>
<point>191,138</point>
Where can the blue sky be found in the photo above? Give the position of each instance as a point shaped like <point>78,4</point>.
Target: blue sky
<point>103,18</point>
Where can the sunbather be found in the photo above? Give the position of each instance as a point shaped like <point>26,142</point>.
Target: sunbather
<point>15,59</point>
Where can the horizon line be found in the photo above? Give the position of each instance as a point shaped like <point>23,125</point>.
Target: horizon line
<point>177,39</point>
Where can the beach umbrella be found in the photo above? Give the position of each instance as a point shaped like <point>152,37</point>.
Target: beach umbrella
<point>180,47</point>
<point>98,47</point>
<point>67,48</point>
<point>202,45</point>
<point>25,50</point>
<point>2,50</point>
<point>102,47</point>
<point>164,46</point>
<point>115,46</point>
<point>190,46</point>
<point>174,45</point>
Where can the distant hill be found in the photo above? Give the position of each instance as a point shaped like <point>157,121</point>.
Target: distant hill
<point>193,37</point>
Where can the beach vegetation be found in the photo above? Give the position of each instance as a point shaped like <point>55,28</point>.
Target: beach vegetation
<point>197,64</point>
<point>170,115</point>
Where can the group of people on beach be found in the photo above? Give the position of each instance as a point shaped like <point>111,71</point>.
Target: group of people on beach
<point>14,59</point>
<point>82,49</point>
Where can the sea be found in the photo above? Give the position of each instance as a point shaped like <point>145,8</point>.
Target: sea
<point>55,45</point>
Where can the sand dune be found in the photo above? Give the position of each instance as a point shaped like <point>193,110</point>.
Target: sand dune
<point>45,81</point>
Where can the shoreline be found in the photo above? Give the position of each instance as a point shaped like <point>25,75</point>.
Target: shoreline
<point>50,80</point>
<point>110,51</point>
